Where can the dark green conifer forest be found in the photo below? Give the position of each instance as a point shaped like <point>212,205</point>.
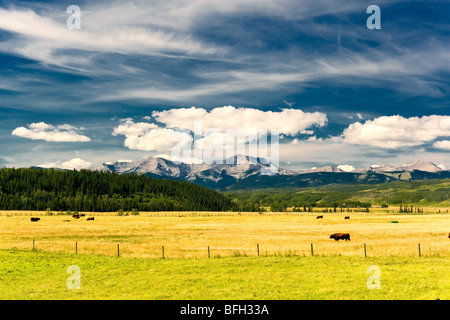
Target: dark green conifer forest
<point>84,190</point>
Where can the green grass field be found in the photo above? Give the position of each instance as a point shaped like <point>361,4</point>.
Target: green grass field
<point>42,275</point>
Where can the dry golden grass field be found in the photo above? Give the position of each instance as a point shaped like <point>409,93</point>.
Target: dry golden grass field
<point>188,235</point>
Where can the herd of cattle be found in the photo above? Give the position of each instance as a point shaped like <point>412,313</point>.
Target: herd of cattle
<point>321,217</point>
<point>335,236</point>
<point>78,216</point>
<point>339,236</point>
<point>75,216</point>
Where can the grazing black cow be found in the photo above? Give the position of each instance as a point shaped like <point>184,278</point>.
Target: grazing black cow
<point>340,236</point>
<point>90,218</point>
<point>76,216</point>
<point>449,235</point>
<point>82,215</point>
<point>319,217</point>
<point>35,219</point>
<point>66,221</point>
<point>347,218</point>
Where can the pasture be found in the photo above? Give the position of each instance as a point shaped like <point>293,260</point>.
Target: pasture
<point>285,268</point>
<point>188,235</point>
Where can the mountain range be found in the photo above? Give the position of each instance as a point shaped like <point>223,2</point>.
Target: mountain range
<point>244,172</point>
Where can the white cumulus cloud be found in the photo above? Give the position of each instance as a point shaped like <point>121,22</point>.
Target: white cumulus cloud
<point>445,144</point>
<point>218,126</point>
<point>287,121</point>
<point>392,132</point>
<point>50,133</point>
<point>149,137</point>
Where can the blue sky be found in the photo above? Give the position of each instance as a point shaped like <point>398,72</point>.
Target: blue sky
<point>76,98</point>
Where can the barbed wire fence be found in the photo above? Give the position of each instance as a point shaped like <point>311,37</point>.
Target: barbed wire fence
<point>128,250</point>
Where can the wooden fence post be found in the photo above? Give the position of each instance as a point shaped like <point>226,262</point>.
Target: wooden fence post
<point>419,250</point>
<point>312,250</point>
<point>118,251</point>
<point>209,253</point>
<point>365,252</point>
<point>257,248</point>
<point>76,247</point>
<point>163,252</point>
<point>33,244</point>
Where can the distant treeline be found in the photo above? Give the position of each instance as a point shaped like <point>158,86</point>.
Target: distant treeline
<point>301,202</point>
<point>40,189</point>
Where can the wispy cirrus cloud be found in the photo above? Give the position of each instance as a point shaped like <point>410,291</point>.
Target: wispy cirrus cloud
<point>99,34</point>
<point>118,33</point>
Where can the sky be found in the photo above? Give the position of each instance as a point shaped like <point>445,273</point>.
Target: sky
<point>136,74</point>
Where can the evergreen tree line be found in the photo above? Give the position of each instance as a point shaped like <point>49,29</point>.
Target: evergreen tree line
<point>281,206</point>
<point>247,206</point>
<point>85,190</point>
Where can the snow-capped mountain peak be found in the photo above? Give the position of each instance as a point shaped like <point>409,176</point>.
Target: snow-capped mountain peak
<point>240,167</point>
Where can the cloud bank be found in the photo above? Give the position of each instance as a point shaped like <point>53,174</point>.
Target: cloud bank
<point>218,127</point>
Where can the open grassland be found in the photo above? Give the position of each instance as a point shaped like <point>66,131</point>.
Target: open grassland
<point>188,235</point>
<point>43,275</point>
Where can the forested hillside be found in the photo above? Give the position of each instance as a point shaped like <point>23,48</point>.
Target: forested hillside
<point>39,189</point>
<point>417,193</point>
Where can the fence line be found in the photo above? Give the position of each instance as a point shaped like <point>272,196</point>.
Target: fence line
<point>35,245</point>
<point>211,214</point>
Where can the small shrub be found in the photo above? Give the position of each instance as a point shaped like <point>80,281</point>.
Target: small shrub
<point>237,253</point>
